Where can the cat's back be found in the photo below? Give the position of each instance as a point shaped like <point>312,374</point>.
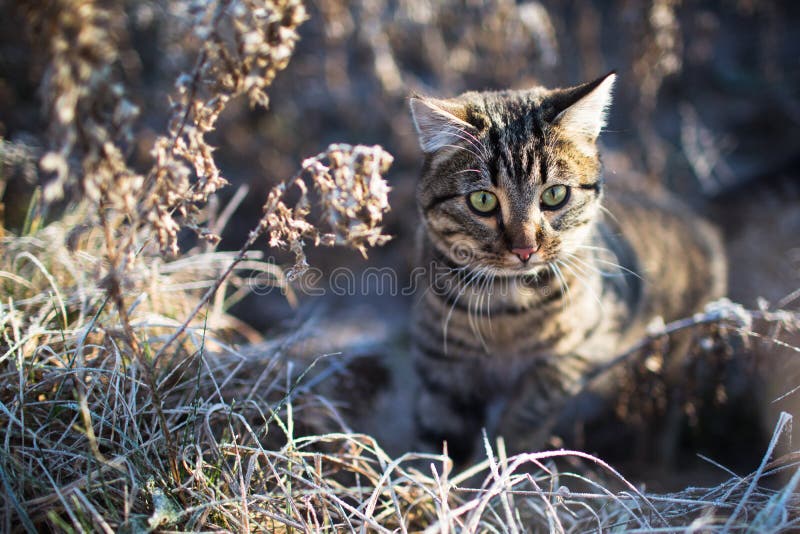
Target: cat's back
<point>678,254</point>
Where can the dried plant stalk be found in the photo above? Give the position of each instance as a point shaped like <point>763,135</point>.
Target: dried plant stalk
<point>243,45</point>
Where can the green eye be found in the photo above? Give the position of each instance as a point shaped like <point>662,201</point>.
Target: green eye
<point>555,197</point>
<point>483,202</point>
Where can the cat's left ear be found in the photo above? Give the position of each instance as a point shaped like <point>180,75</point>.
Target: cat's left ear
<point>584,109</point>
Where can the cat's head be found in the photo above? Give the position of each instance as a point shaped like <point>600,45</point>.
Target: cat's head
<point>512,179</point>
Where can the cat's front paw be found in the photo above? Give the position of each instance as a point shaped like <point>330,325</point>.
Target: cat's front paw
<point>440,419</point>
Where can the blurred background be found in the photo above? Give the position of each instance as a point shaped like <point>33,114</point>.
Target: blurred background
<point>707,104</point>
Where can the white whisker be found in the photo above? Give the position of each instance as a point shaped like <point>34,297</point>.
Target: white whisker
<point>573,269</point>
<point>563,284</point>
<point>471,276</point>
<point>471,139</point>
<point>620,267</point>
<point>489,302</point>
<point>595,269</point>
<point>607,262</point>
<point>605,209</point>
<point>464,149</point>
<point>475,322</point>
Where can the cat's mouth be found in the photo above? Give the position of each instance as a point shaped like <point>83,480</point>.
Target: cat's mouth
<point>533,262</point>
<point>531,267</point>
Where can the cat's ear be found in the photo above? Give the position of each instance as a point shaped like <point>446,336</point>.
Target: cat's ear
<point>584,109</point>
<point>439,122</point>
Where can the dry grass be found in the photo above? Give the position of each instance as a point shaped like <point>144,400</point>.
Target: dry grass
<point>125,403</point>
<point>258,450</point>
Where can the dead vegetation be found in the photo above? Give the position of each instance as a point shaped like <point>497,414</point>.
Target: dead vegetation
<point>125,402</point>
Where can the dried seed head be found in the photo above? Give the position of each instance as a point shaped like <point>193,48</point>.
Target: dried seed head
<point>353,198</point>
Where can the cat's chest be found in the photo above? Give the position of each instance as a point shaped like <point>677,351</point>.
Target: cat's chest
<point>516,321</point>
<point>541,332</point>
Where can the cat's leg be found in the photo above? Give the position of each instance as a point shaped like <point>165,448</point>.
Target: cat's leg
<point>450,405</point>
<point>539,398</point>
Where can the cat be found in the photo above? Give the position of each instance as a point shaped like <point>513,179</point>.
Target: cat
<point>539,280</point>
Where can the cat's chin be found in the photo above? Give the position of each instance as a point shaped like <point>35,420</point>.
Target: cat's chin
<point>521,269</point>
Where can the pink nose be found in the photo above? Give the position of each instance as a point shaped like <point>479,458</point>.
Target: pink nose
<point>524,253</point>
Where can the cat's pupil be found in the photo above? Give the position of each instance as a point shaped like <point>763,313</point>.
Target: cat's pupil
<point>555,196</point>
<point>483,201</point>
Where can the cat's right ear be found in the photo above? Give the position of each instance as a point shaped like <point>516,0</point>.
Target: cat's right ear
<point>439,123</point>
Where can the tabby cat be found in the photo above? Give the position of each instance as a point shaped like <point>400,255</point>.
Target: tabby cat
<point>537,281</point>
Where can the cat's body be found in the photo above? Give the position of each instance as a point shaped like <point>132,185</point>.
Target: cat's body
<point>535,284</point>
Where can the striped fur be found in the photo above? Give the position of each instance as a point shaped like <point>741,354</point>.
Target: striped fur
<point>502,343</point>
